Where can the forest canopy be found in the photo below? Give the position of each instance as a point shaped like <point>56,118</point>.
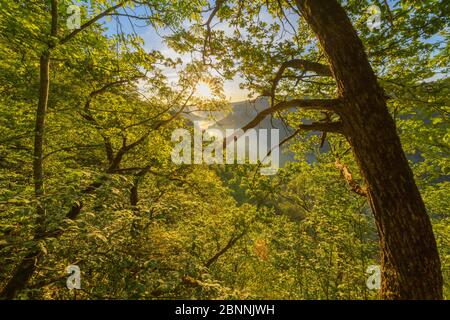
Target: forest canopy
<point>92,92</point>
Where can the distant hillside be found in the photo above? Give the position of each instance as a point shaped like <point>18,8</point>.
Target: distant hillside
<point>241,113</point>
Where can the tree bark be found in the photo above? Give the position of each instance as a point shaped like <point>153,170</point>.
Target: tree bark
<point>38,172</point>
<point>411,267</point>
<point>134,195</point>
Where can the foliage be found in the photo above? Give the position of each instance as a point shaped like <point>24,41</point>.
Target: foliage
<point>196,231</point>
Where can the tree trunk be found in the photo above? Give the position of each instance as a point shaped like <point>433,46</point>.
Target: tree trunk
<point>410,262</point>
<point>24,271</point>
<point>134,195</point>
<point>38,172</point>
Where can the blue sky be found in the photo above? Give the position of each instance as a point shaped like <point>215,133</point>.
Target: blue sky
<point>154,41</point>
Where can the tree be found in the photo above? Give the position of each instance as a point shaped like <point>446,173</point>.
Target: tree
<point>54,42</point>
<point>411,267</point>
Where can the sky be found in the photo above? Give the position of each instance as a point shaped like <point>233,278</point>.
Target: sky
<point>153,40</point>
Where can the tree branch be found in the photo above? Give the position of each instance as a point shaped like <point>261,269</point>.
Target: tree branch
<point>88,116</point>
<point>208,26</point>
<point>309,104</point>
<point>228,246</point>
<point>335,127</point>
<point>301,64</point>
<point>355,187</point>
<point>307,66</point>
<point>92,21</point>
<point>112,84</point>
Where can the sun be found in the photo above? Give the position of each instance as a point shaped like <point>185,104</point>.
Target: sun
<point>203,90</point>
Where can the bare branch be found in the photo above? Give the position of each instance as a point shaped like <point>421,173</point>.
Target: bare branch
<point>309,104</point>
